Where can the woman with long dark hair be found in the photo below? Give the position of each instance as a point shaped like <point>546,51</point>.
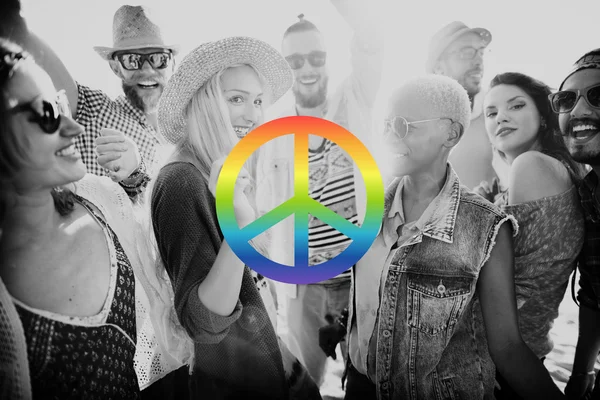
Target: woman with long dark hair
<point>541,195</point>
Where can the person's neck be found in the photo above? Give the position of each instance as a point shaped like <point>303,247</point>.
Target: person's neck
<point>317,111</point>
<point>424,186</point>
<point>31,216</point>
<point>152,117</point>
<point>511,156</point>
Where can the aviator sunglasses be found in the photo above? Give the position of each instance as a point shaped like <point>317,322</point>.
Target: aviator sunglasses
<point>135,61</point>
<point>46,113</point>
<point>565,100</point>
<point>315,58</point>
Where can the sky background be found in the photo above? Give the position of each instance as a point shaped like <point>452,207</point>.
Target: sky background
<point>541,39</point>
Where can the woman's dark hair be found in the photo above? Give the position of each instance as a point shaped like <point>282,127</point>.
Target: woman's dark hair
<point>549,133</point>
<point>13,152</point>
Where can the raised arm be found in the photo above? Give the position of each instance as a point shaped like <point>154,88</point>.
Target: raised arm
<point>514,360</point>
<point>14,27</point>
<point>366,48</point>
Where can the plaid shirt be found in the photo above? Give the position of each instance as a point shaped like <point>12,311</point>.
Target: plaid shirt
<point>589,259</point>
<point>95,110</point>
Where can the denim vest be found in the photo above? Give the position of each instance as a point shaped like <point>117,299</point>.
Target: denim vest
<point>431,340</point>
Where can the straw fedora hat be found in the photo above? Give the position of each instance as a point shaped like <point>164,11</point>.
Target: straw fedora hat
<point>206,60</point>
<point>448,34</point>
<point>134,28</point>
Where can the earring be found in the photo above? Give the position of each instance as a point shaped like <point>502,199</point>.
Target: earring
<point>543,123</point>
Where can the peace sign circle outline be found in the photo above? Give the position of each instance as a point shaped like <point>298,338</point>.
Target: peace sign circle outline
<point>301,205</point>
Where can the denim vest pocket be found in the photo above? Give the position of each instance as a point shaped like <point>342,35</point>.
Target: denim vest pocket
<point>445,388</point>
<point>435,302</point>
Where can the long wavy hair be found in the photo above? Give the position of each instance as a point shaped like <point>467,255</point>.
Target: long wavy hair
<point>210,134</point>
<point>548,134</point>
<point>13,147</point>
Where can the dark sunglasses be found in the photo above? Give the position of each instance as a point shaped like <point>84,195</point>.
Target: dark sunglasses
<point>46,113</point>
<point>315,58</point>
<point>135,61</point>
<point>565,100</point>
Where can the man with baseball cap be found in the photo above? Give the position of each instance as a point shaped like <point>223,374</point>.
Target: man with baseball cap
<point>577,104</point>
<point>457,51</point>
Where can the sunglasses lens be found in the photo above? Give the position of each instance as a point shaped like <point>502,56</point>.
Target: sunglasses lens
<point>130,61</point>
<point>564,101</point>
<point>295,61</point>
<point>593,96</point>
<point>49,120</point>
<point>159,60</point>
<point>317,58</point>
<point>400,127</point>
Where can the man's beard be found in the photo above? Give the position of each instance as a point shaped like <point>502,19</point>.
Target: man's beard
<point>313,100</point>
<point>145,104</point>
<point>587,157</point>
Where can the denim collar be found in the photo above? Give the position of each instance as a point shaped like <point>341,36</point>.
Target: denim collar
<point>438,220</point>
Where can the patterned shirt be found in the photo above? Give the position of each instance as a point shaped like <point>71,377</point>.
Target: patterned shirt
<point>589,259</point>
<point>95,110</point>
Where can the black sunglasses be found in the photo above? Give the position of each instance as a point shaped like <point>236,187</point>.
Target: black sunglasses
<point>565,100</point>
<point>46,113</point>
<point>315,58</point>
<point>135,61</point>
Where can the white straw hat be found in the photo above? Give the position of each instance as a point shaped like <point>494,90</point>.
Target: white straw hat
<point>206,60</point>
<point>134,28</point>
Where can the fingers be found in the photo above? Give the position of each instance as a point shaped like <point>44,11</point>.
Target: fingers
<point>105,159</point>
<point>111,132</point>
<point>111,147</point>
<point>109,139</point>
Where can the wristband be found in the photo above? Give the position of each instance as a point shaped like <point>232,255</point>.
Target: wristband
<point>578,374</point>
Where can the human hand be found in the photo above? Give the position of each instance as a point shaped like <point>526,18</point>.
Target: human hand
<point>330,335</point>
<point>580,386</point>
<point>242,192</point>
<point>117,153</point>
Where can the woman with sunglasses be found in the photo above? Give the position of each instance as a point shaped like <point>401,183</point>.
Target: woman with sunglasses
<point>69,248</point>
<point>433,299</point>
<point>542,196</point>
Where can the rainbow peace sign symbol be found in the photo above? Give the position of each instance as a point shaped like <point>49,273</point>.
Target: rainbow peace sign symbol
<point>301,205</point>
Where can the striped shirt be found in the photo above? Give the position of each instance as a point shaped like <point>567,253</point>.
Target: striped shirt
<point>331,183</point>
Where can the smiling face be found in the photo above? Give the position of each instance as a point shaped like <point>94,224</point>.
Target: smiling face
<point>468,72</point>
<point>423,147</point>
<point>51,159</point>
<point>581,126</point>
<point>310,81</point>
<point>512,120</point>
<point>144,86</point>
<point>243,93</point>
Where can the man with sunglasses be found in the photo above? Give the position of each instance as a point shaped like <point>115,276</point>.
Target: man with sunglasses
<point>120,132</point>
<point>333,180</point>
<point>577,104</point>
<point>457,51</point>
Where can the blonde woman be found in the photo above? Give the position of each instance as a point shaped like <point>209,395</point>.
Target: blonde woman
<point>217,95</point>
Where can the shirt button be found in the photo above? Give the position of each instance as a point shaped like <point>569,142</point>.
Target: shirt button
<point>384,385</point>
<point>441,289</point>
<point>386,333</point>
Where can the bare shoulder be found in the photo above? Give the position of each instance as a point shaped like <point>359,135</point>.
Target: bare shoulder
<point>534,175</point>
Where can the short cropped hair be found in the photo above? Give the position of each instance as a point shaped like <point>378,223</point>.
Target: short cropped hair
<point>445,96</point>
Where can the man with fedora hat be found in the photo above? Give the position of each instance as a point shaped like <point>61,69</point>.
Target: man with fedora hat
<point>457,51</point>
<point>120,132</point>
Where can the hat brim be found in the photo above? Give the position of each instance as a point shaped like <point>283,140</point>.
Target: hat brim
<point>206,60</point>
<point>485,35</point>
<point>107,52</point>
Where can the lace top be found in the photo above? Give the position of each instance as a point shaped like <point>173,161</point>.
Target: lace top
<point>87,357</point>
